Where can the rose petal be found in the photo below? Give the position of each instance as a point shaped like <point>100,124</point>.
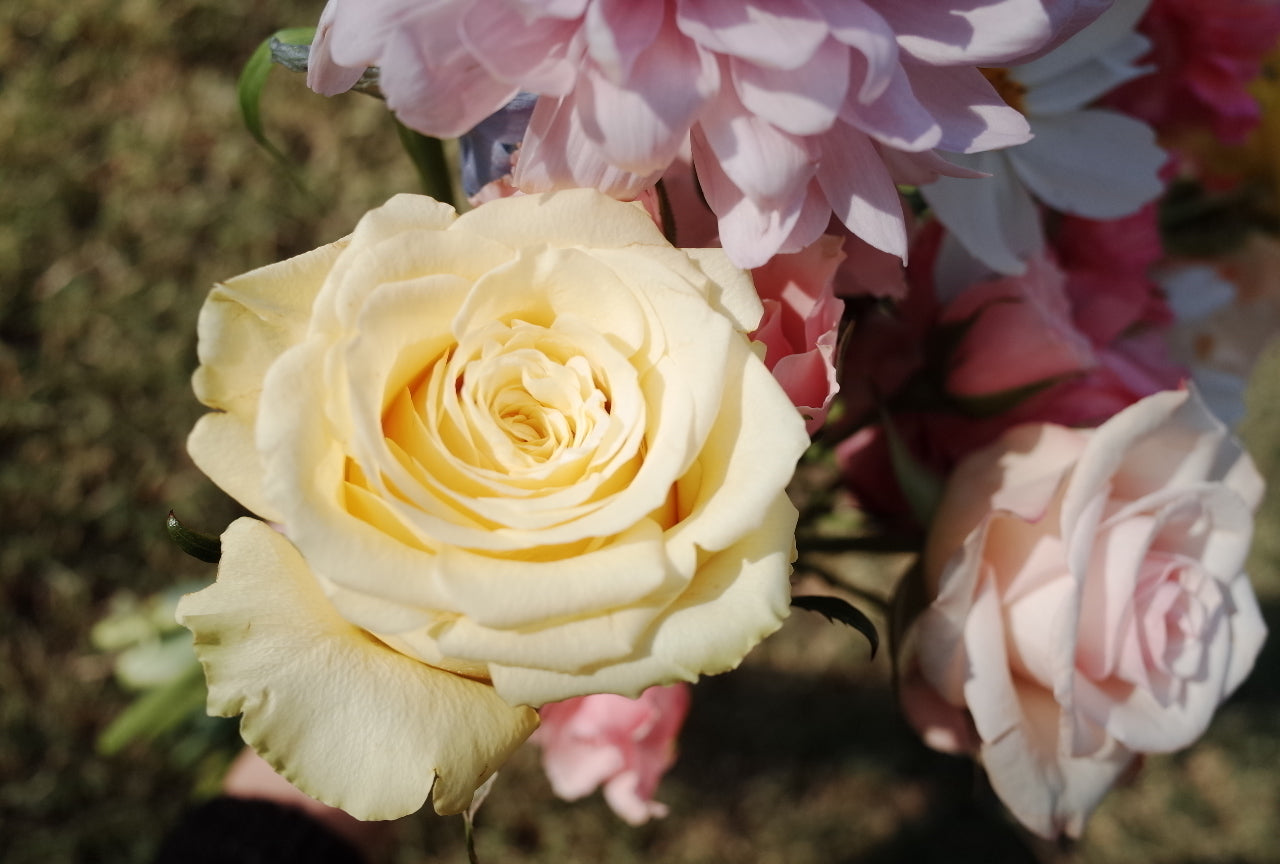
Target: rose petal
<point>305,680</point>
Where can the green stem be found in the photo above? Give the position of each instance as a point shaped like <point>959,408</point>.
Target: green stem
<point>471,839</point>
<point>428,158</point>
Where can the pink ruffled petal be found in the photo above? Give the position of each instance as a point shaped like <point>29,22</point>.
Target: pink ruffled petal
<point>749,232</point>
<point>558,154</point>
<point>972,115</point>
<point>862,29</point>
<point>802,101</point>
<point>770,166</point>
<point>985,32</point>
<point>641,123</point>
<point>782,34</point>
<point>445,100</point>
<point>815,216</point>
<point>542,55</point>
<point>896,117</point>
<point>617,31</point>
<point>325,75</point>
<point>860,190</point>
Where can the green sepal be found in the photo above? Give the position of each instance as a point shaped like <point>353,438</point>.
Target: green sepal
<point>206,547</point>
<point>994,404</point>
<point>843,612</point>
<point>254,77</point>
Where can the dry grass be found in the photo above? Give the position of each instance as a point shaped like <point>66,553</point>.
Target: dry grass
<point>126,187</point>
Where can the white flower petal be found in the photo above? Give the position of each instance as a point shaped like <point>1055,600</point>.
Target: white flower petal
<point>1093,163</point>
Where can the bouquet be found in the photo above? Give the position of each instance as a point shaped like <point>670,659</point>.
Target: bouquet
<point>736,286</point>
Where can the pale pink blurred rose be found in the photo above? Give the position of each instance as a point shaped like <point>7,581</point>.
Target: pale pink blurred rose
<point>1089,603</point>
<point>626,745</point>
<point>801,323</point>
<point>1017,333</point>
<point>1086,320</point>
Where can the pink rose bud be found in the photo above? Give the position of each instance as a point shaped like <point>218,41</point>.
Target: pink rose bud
<point>624,744</point>
<point>1019,333</point>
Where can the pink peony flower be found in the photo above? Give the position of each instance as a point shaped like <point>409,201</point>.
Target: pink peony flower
<point>795,108</point>
<point>800,325</point>
<point>1089,603</point>
<point>1205,54</point>
<point>624,744</point>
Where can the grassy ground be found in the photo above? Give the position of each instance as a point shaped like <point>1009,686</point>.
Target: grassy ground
<point>126,188</point>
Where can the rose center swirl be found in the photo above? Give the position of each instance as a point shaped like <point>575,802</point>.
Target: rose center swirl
<point>516,400</point>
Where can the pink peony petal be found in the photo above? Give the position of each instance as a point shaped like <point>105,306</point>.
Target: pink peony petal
<point>971,114</point>
<point>895,118</point>
<point>558,154</point>
<point>325,75</point>
<point>542,55</point>
<point>855,24</point>
<point>617,31</point>
<point>802,101</point>
<point>781,34</point>
<point>985,32</point>
<point>860,190</point>
<point>640,124</point>
<point>768,165</point>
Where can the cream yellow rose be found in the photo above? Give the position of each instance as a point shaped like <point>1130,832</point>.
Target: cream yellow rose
<point>515,456</point>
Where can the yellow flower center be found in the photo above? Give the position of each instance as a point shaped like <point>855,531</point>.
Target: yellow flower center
<point>1007,87</point>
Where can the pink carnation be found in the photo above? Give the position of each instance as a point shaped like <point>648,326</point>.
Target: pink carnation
<point>1205,53</point>
<point>795,108</point>
<point>625,744</point>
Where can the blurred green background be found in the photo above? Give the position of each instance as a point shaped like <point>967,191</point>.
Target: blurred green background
<point>128,186</point>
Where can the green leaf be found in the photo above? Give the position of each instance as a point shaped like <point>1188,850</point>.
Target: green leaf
<point>254,77</point>
<point>843,612</point>
<point>206,547</point>
<point>156,712</point>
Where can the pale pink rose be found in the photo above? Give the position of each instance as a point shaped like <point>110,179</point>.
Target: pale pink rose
<point>1205,53</point>
<point>626,745</point>
<point>795,109</point>
<point>1089,603</point>
<point>800,325</point>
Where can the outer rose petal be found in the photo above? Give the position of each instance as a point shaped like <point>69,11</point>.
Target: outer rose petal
<point>245,325</point>
<point>740,584</point>
<point>344,718</point>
